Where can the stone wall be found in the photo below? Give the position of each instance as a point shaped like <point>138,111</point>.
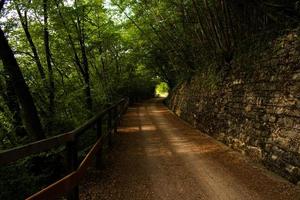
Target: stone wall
<point>255,110</point>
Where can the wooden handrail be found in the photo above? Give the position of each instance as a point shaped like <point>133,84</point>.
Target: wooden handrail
<point>69,182</point>
<point>17,153</point>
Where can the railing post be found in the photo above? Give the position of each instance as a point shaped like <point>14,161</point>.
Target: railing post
<point>72,159</point>
<point>109,126</point>
<point>119,113</point>
<point>125,105</point>
<point>99,134</point>
<point>116,119</point>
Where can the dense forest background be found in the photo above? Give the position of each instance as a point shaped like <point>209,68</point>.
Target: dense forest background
<point>81,55</point>
<point>74,59</point>
<point>63,60</point>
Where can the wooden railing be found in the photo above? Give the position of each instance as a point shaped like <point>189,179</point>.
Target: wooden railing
<point>68,185</point>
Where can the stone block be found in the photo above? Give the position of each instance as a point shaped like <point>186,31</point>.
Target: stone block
<point>283,143</point>
<point>268,147</point>
<point>277,151</point>
<point>274,157</point>
<point>272,118</point>
<point>296,76</point>
<point>293,170</point>
<point>254,152</point>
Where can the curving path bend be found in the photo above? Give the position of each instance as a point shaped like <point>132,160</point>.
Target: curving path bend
<point>157,156</point>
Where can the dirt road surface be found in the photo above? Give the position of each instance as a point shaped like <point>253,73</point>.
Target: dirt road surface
<point>157,156</point>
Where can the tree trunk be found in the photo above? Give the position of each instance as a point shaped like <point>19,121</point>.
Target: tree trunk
<point>2,4</point>
<point>30,116</point>
<point>85,64</point>
<point>71,41</point>
<point>51,88</point>
<point>86,77</point>
<point>82,66</point>
<point>24,22</point>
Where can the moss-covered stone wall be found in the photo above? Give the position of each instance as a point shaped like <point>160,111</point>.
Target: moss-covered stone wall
<point>255,109</point>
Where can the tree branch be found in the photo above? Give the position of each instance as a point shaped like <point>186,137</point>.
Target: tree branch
<point>2,4</point>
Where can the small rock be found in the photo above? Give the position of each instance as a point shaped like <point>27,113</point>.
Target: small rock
<point>272,118</point>
<point>254,152</point>
<point>274,157</point>
<point>296,76</point>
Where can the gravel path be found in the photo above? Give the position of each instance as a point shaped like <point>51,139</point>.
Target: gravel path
<point>158,156</point>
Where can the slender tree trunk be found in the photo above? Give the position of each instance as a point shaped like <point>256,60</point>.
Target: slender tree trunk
<point>86,76</point>
<point>24,22</point>
<point>51,87</point>
<point>30,115</point>
<point>82,66</point>
<point>2,4</point>
<point>85,64</point>
<point>71,41</point>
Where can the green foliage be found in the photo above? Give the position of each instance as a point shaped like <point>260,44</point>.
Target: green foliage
<point>127,43</point>
<point>113,66</point>
<point>24,178</point>
<point>162,89</point>
<point>210,79</point>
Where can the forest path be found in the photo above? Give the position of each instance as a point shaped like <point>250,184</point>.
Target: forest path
<point>158,156</point>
